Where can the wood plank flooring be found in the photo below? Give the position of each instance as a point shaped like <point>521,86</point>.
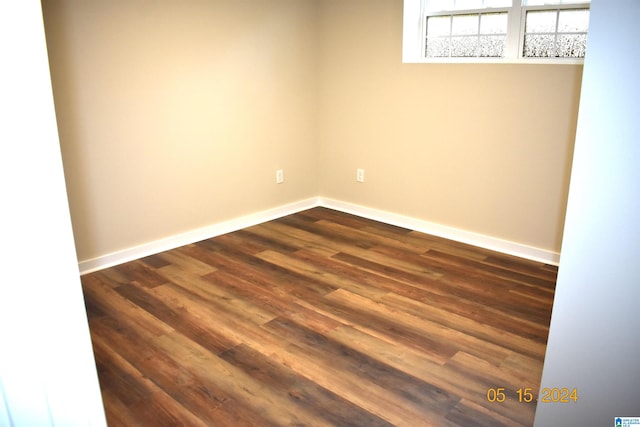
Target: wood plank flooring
<point>320,319</point>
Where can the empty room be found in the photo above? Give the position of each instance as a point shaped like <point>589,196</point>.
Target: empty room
<point>274,214</point>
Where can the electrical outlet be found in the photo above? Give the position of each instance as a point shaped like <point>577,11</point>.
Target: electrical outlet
<point>279,176</point>
<point>360,175</point>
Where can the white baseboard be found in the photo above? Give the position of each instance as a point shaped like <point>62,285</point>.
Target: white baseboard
<point>459,235</point>
<point>192,236</point>
<point>463,236</point>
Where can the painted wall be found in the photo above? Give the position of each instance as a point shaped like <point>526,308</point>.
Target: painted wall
<point>176,115</point>
<point>594,341</point>
<point>485,148</point>
<point>47,371</point>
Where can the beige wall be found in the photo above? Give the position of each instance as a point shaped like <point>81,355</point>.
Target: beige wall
<point>484,148</point>
<point>175,115</point>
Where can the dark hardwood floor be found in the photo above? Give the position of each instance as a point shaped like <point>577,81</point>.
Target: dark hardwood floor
<point>320,318</point>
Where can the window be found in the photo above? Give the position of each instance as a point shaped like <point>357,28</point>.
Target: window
<point>466,35</point>
<point>495,30</point>
<point>556,33</point>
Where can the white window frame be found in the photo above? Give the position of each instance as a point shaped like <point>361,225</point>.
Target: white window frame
<point>414,34</point>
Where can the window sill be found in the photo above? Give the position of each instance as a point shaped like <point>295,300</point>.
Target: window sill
<point>541,61</point>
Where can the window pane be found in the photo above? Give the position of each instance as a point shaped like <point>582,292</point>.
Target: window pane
<point>439,26</point>
<point>442,5</point>
<point>572,45</point>
<point>438,47</point>
<point>464,46</point>
<point>465,24</point>
<point>492,46</point>
<point>541,22</point>
<point>439,5</point>
<point>551,2</point>
<point>538,46</point>
<point>573,21</point>
<point>498,3</point>
<point>493,23</point>
<point>468,4</point>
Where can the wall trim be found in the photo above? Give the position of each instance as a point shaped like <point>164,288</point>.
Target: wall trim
<point>207,232</point>
<point>452,233</point>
